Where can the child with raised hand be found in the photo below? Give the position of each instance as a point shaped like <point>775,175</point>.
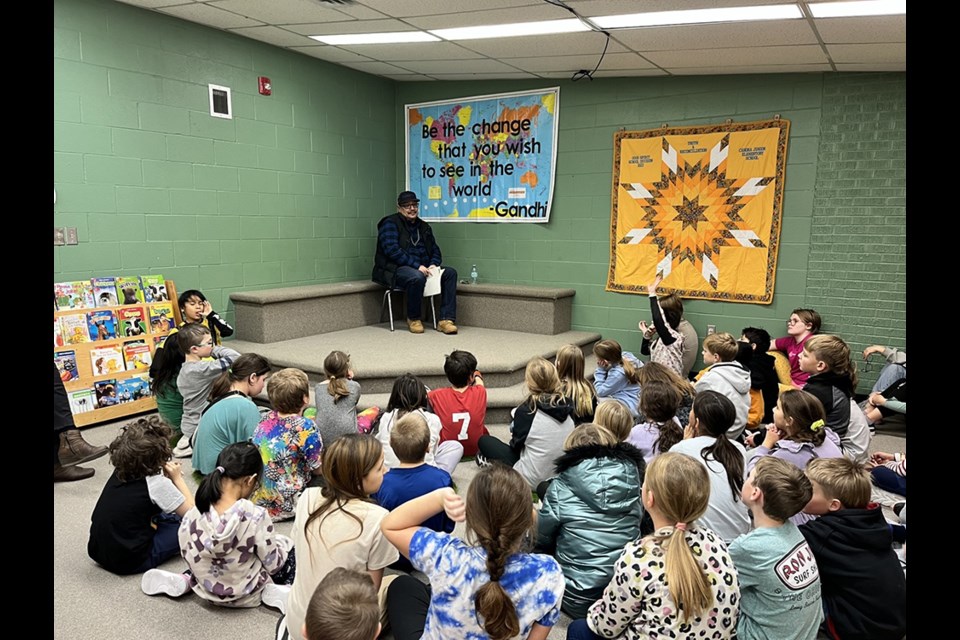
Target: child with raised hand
<point>727,376</point>
<point>203,364</point>
<point>337,397</point>
<point>590,511</point>
<point>195,308</point>
<point>616,375</point>
<point>615,417</point>
<point>680,581</point>
<point>864,589</point>
<point>231,415</point>
<point>495,589</point>
<point>290,444</point>
<point>654,371</point>
<point>662,430</point>
<point>164,370</point>
<point>134,524</point>
<point>833,378</point>
<point>705,440</point>
<point>779,577</point>
<point>573,384</point>
<point>461,407</point>
<point>666,313</point>
<point>802,325</point>
<point>344,607</point>
<point>339,525</point>
<point>409,396</point>
<point>234,556</point>
<point>539,426</point>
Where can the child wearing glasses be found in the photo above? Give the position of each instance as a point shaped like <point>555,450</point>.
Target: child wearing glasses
<point>203,364</point>
<point>801,326</point>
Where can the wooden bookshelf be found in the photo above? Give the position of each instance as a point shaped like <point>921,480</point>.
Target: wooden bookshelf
<point>85,371</point>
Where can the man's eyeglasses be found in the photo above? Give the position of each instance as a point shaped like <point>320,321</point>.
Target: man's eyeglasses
<point>412,205</point>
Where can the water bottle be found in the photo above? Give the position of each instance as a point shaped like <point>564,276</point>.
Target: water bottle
<point>473,274</point>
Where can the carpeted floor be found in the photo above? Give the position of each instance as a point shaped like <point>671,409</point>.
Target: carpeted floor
<point>93,604</point>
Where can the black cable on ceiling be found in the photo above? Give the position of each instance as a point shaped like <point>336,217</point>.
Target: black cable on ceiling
<point>584,73</point>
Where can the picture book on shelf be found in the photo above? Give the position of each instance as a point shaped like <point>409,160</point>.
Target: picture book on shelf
<point>102,324</point>
<point>129,291</point>
<point>105,291</point>
<point>106,392</point>
<point>74,328</point>
<point>58,333</point>
<point>133,388</point>
<point>66,362</point>
<point>161,317</point>
<point>106,359</point>
<point>136,355</point>
<point>154,288</point>
<point>73,295</point>
<point>133,321</point>
<point>82,401</point>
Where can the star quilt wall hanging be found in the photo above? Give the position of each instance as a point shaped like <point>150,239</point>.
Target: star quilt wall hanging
<point>701,206</point>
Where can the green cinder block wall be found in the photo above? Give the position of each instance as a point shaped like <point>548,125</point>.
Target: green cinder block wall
<point>847,130</point>
<point>288,192</point>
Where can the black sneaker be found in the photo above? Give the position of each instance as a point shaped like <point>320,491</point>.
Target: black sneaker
<point>481,460</point>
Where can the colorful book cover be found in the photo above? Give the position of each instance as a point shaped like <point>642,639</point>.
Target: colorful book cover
<point>133,388</point>
<point>105,291</point>
<point>58,333</point>
<point>106,392</point>
<point>129,291</point>
<point>74,328</point>
<point>102,324</point>
<point>66,362</point>
<point>154,288</point>
<point>137,355</point>
<point>82,401</point>
<point>107,359</point>
<point>133,321</point>
<point>161,317</point>
<point>73,295</point>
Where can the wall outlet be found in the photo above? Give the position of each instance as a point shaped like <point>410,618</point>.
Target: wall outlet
<point>71,235</point>
<point>711,329</point>
<point>59,237</point>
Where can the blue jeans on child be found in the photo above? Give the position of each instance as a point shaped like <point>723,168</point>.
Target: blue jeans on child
<point>888,375</point>
<point>413,282</point>
<point>166,544</point>
<point>578,630</point>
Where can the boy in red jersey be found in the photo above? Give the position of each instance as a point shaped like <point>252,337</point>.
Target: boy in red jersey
<point>461,407</point>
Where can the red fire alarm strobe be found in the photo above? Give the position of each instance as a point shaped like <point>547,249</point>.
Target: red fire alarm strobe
<point>264,83</point>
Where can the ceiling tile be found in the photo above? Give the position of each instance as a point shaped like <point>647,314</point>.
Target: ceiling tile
<point>717,36</point>
<point>535,13</point>
<point>376,67</point>
<point>865,53</point>
<point>407,8</point>
<point>862,30</point>
<point>274,35</point>
<point>211,16</point>
<point>412,51</point>
<point>738,70</point>
<point>623,73</point>
<point>552,45</point>
<point>575,63</point>
<point>519,75</point>
<point>873,66</point>
<point>483,65</point>
<point>153,4</point>
<point>588,8</point>
<point>737,57</point>
<point>282,11</point>
<point>411,77</point>
<point>349,26</point>
<point>331,54</point>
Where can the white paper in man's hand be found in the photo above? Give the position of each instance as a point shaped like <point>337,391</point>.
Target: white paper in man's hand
<point>432,287</point>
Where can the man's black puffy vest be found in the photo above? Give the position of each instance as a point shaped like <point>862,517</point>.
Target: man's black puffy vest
<point>384,269</point>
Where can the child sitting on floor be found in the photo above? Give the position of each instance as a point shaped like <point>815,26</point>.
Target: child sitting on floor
<point>616,375</point>
<point>864,589</point>
<point>779,578</point>
<point>290,444</point>
<point>662,430</point>
<point>573,385</point>
<point>801,326</point>
<point>726,376</point>
<point>134,524</point>
<point>344,607</point>
<point>461,407</point>
<point>615,417</point>
<point>336,397</point>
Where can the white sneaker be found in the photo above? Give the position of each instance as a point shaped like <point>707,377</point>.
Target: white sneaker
<point>275,595</point>
<point>157,581</point>
<point>183,448</point>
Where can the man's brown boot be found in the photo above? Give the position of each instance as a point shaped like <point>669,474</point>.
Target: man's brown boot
<point>75,450</point>
<point>447,327</point>
<point>415,326</point>
<point>69,474</point>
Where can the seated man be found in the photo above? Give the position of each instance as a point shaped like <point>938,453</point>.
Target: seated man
<point>406,250</point>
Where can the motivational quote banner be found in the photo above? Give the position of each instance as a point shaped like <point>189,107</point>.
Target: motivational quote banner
<point>484,158</point>
<point>701,206</point>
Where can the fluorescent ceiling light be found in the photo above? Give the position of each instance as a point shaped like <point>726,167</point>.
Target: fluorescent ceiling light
<point>509,30</point>
<point>698,16</point>
<point>377,38</point>
<point>863,8</point>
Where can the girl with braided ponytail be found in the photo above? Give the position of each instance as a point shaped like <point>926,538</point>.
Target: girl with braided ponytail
<point>336,398</point>
<point>491,589</point>
<point>234,555</point>
<point>679,582</point>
